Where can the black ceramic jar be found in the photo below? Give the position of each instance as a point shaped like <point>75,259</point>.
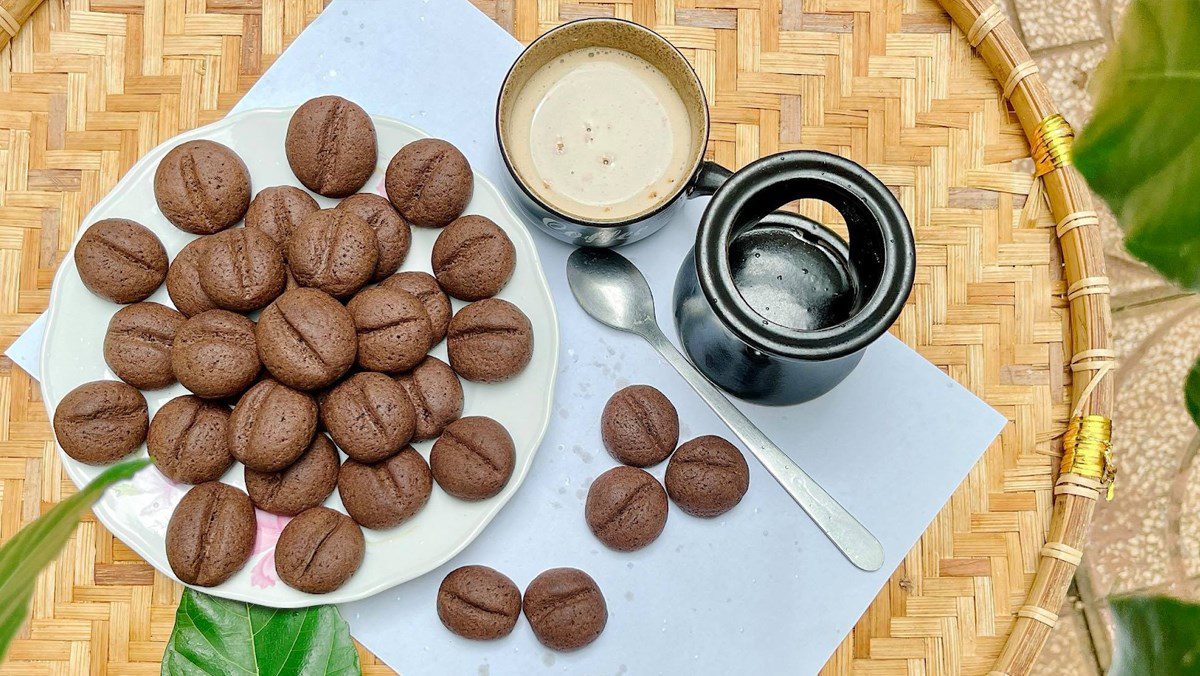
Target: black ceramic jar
<point>776,308</point>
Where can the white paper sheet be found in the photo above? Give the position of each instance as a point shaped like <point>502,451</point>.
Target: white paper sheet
<point>758,590</point>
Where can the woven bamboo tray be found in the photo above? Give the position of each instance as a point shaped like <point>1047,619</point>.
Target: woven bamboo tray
<point>913,89</point>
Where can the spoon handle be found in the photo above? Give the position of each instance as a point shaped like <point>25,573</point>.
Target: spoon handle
<point>846,533</point>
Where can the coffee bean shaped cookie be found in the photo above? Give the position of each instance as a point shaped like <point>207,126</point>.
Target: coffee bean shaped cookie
<point>334,251</point>
<point>473,258</point>
<point>183,279</point>
<point>430,182</point>
<point>101,421</point>
<point>393,329</point>
<point>436,395</point>
<point>331,146</point>
<point>489,341</point>
<point>319,550</point>
<point>474,458</point>
<point>369,416</point>
<point>479,603</point>
<point>242,270</point>
<point>189,440</point>
<point>707,476</point>
<point>565,608</point>
<point>425,287</point>
<point>387,493</point>
<point>137,345</point>
<point>306,339</point>
<point>640,426</point>
<point>626,508</point>
<point>305,483</point>
<point>211,534</point>
<point>271,426</point>
<point>392,233</point>
<point>214,354</point>
<point>276,211</point>
<point>202,187</point>
<point>121,260</point>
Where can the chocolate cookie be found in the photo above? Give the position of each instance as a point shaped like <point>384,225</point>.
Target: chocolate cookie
<point>392,233</point>
<point>369,416</point>
<point>393,329</point>
<point>425,287</point>
<point>565,608</point>
<point>183,279</point>
<point>214,354</point>
<point>479,603</point>
<point>242,270</point>
<point>319,550</point>
<point>211,534</point>
<point>306,339</point>
<point>430,182</point>
<point>189,440</point>
<point>474,458</point>
<point>640,426</point>
<point>707,476</point>
<point>101,421</point>
<point>473,259</point>
<point>436,395</point>
<point>271,426</point>
<point>387,493</point>
<point>489,341</point>
<point>120,260</point>
<point>334,251</point>
<point>304,484</point>
<point>137,345</point>
<point>626,508</point>
<point>202,187</point>
<point>331,146</point>
<point>277,211</point>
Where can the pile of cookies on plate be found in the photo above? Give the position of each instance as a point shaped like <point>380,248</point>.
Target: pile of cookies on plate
<point>338,357</point>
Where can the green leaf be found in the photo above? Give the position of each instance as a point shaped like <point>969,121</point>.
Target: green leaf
<point>1191,392</point>
<point>1141,150</point>
<point>220,637</point>
<point>36,545</point>
<point>1155,636</point>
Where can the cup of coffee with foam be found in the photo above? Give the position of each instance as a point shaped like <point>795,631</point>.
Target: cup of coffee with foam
<point>603,125</point>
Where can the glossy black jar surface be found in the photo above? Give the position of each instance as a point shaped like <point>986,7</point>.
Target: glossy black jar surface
<point>776,308</point>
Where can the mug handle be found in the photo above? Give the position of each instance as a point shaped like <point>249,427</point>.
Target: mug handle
<point>708,179</point>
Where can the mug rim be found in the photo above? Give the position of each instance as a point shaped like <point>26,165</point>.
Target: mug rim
<point>697,160</point>
<point>880,309</point>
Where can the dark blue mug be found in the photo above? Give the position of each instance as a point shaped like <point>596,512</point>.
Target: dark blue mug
<point>656,50</point>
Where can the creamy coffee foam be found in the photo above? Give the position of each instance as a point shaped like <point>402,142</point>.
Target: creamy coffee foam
<point>600,134</point>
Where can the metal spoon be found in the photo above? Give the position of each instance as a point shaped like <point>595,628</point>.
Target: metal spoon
<point>613,291</point>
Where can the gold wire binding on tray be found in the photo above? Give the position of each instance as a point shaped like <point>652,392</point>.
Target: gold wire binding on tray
<point>1087,449</point>
<point>1052,144</point>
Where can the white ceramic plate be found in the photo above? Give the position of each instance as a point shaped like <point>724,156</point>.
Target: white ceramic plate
<point>137,511</point>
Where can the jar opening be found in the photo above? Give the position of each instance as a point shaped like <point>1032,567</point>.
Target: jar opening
<point>795,272</point>
<point>788,285</point>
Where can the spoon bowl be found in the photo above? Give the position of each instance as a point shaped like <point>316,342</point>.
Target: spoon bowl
<point>611,289</point>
